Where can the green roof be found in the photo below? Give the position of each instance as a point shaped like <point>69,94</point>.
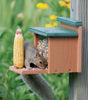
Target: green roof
<point>69,21</point>
<point>53,32</point>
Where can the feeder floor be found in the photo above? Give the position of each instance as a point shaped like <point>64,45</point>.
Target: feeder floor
<point>27,71</point>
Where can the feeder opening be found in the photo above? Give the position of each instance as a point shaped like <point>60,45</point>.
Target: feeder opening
<point>43,47</point>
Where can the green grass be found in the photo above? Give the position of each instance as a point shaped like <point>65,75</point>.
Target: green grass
<point>24,14</point>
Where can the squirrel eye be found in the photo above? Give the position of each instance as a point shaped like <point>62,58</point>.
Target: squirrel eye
<point>40,62</point>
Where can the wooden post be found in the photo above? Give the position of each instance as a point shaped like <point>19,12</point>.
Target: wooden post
<point>78,82</point>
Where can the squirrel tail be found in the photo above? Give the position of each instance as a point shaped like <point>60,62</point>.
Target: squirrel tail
<point>39,86</point>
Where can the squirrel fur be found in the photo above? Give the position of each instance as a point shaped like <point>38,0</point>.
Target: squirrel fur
<point>36,82</point>
<point>32,56</point>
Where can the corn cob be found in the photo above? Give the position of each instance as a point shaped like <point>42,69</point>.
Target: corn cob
<point>18,50</point>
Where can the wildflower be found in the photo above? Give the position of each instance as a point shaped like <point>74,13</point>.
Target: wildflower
<point>62,3</point>
<point>67,0</point>
<point>53,17</point>
<point>48,25</point>
<point>42,5</point>
<point>51,24</point>
<point>68,5</point>
<point>65,3</point>
<point>55,24</point>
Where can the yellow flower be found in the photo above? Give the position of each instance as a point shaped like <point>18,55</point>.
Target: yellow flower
<point>68,5</point>
<point>67,0</point>
<point>48,25</point>
<point>42,5</point>
<point>65,3</point>
<point>55,24</point>
<point>53,17</point>
<point>51,24</point>
<point>62,3</point>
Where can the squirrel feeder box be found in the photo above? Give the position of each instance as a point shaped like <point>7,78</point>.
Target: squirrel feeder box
<point>64,46</point>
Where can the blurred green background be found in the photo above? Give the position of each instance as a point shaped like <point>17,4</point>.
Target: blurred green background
<point>25,14</point>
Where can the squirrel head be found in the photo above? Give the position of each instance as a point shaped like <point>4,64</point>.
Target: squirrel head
<point>40,61</point>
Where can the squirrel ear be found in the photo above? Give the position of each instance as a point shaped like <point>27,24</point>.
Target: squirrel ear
<point>37,54</point>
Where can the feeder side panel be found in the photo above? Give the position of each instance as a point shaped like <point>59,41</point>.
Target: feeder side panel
<point>62,56</point>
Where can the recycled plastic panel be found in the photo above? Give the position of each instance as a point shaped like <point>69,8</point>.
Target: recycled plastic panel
<point>62,55</point>
<point>69,21</point>
<point>53,31</point>
<point>25,71</point>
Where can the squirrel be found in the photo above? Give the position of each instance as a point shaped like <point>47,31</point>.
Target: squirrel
<point>36,82</point>
<point>33,58</point>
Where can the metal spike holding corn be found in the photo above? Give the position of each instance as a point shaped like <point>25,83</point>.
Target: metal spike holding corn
<point>18,49</point>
